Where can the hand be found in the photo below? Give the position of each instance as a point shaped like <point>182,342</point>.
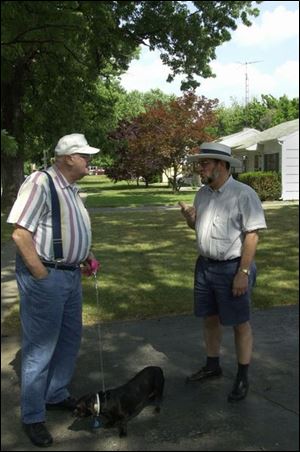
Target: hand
<point>183,205</point>
<point>91,266</point>
<point>186,210</point>
<point>240,284</point>
<point>41,275</point>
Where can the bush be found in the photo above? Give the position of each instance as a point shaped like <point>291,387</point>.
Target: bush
<point>266,184</point>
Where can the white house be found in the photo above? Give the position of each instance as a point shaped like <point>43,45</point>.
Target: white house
<point>290,166</point>
<point>279,146</point>
<point>274,149</point>
<point>243,145</point>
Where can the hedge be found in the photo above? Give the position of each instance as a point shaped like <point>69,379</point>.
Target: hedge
<point>267,184</point>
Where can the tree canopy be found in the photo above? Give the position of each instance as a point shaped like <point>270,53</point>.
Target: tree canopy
<point>161,137</point>
<point>259,114</point>
<point>54,53</point>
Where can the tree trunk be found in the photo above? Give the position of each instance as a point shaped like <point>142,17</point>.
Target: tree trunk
<point>12,176</point>
<point>12,167</point>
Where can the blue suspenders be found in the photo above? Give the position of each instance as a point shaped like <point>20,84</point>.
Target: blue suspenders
<point>56,222</point>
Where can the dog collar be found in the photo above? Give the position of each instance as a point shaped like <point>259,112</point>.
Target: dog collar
<point>97,405</point>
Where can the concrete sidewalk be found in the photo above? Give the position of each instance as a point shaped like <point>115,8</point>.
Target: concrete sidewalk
<point>194,416</point>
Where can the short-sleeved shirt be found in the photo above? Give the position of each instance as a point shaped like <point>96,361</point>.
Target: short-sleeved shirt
<point>223,217</point>
<point>32,210</point>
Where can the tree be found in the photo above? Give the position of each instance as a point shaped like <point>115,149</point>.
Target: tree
<point>261,114</point>
<point>132,104</point>
<point>59,49</point>
<point>50,69</point>
<point>161,137</point>
<point>126,107</point>
<point>278,110</point>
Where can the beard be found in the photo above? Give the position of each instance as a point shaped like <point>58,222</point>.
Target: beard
<point>207,180</point>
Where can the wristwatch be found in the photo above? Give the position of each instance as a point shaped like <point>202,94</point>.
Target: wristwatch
<point>245,270</point>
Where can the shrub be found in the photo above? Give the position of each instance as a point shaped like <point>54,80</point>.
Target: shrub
<point>266,184</point>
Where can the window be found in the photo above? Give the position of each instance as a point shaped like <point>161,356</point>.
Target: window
<point>257,162</point>
<point>271,162</point>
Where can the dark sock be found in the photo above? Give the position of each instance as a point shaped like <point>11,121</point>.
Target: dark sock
<point>212,363</point>
<point>243,372</point>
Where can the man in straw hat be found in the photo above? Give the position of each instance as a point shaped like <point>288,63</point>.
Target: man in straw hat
<point>226,217</point>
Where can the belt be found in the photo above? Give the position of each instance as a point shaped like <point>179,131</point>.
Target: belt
<point>61,266</point>
<point>215,261</point>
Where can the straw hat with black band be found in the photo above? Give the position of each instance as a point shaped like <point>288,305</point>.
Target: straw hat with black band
<point>216,151</point>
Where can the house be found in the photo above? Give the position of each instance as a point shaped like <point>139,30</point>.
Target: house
<point>274,149</point>
<point>279,147</point>
<point>243,144</point>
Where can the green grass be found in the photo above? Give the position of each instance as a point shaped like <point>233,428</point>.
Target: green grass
<point>277,259</point>
<point>6,229</point>
<point>102,193</point>
<point>148,257</point>
<point>147,266</point>
<point>148,262</point>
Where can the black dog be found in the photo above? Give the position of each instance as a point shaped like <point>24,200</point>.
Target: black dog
<point>117,406</point>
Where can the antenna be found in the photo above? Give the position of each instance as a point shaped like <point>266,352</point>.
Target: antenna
<point>247,78</point>
<point>247,87</point>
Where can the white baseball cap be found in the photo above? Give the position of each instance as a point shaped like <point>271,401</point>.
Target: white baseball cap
<point>75,143</point>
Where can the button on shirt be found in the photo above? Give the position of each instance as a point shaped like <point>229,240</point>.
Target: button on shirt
<point>223,217</point>
<point>32,210</point>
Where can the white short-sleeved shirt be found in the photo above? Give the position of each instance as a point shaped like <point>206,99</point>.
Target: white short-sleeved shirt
<point>32,210</point>
<point>223,217</point>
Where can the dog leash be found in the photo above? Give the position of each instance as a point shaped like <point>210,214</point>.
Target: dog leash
<point>96,423</point>
<point>100,336</point>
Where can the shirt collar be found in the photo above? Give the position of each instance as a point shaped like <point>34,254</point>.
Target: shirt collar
<point>223,187</point>
<point>63,182</point>
<point>226,184</point>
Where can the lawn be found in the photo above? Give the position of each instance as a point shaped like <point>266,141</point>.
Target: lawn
<point>6,229</point>
<point>148,257</point>
<point>277,258</point>
<point>148,262</point>
<point>102,193</point>
<point>147,265</point>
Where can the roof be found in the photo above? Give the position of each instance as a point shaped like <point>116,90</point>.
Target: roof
<point>280,131</point>
<point>246,139</point>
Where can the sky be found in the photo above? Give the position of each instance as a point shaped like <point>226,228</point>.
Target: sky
<point>271,42</point>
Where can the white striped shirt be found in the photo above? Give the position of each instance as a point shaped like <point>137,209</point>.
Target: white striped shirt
<point>32,210</point>
<point>223,217</point>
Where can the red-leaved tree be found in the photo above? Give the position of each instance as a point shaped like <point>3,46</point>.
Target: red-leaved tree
<point>161,138</point>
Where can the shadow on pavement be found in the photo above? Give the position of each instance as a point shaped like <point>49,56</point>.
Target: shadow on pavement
<point>194,416</point>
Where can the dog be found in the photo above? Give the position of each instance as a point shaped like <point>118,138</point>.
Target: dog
<point>117,406</point>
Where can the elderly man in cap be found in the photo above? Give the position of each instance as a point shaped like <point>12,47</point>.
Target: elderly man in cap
<point>53,237</point>
<point>226,217</point>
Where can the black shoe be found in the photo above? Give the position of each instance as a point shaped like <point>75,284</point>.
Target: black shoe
<point>67,404</point>
<point>204,374</point>
<point>38,434</point>
<point>239,390</point>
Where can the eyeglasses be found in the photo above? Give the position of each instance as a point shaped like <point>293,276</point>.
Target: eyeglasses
<point>83,156</point>
<point>203,163</point>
